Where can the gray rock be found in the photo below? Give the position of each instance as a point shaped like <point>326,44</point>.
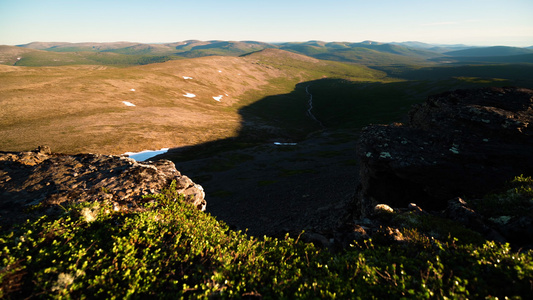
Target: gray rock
<point>460,143</point>
<point>41,177</point>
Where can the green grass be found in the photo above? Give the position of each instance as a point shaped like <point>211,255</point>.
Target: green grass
<point>513,72</point>
<point>171,250</point>
<point>346,104</point>
<point>39,59</point>
<point>517,200</point>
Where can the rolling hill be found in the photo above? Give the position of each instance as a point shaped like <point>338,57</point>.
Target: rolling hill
<point>190,48</point>
<point>122,97</point>
<point>11,55</point>
<point>73,47</point>
<point>177,103</point>
<point>368,53</point>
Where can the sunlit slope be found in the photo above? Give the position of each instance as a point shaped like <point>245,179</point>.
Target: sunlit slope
<point>10,55</point>
<point>177,103</point>
<point>368,52</point>
<point>18,56</point>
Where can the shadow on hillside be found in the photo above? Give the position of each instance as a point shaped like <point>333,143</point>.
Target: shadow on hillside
<point>307,182</point>
<point>252,183</point>
<point>338,104</point>
<point>519,74</point>
<point>274,118</point>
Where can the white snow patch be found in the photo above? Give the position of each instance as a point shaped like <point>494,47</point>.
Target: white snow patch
<point>19,58</point>
<point>189,95</point>
<point>187,77</point>
<point>128,103</point>
<point>146,154</point>
<point>285,144</point>
<point>219,71</point>
<point>132,90</point>
<point>218,98</point>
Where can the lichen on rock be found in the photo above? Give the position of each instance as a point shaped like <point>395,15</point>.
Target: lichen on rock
<point>41,177</point>
<point>460,143</point>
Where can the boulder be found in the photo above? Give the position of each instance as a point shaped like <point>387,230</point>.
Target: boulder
<point>42,177</point>
<point>459,143</point>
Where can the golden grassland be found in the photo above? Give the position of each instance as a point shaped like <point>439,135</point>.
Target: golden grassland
<point>80,108</point>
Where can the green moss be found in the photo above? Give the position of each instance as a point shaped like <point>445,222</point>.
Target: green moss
<point>171,250</point>
<point>517,200</point>
<point>437,227</point>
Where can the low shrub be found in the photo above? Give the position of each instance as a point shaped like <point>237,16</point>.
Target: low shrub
<point>169,249</point>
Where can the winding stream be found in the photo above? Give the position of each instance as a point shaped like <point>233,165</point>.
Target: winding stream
<point>309,110</point>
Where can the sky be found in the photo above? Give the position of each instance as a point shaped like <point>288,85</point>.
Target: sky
<point>471,22</point>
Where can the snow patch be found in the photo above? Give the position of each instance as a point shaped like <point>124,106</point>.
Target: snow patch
<point>128,103</point>
<point>189,95</point>
<point>132,90</point>
<point>219,71</point>
<point>146,154</point>
<point>187,77</point>
<point>218,98</point>
<point>285,144</point>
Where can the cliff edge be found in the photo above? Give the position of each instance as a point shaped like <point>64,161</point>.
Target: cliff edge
<point>459,143</point>
<point>51,180</point>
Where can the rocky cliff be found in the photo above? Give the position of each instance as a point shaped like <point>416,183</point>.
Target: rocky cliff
<point>460,143</point>
<point>42,177</point>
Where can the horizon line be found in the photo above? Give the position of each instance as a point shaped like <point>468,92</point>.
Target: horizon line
<point>272,42</point>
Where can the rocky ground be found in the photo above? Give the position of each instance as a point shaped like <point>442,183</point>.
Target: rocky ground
<point>51,180</point>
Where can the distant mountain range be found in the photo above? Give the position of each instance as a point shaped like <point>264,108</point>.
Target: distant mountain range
<point>490,51</point>
<point>366,52</point>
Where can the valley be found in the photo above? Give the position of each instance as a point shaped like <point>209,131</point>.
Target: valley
<point>221,106</point>
<point>83,108</point>
<point>280,188</point>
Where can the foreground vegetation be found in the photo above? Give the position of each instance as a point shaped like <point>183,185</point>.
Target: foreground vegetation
<point>171,250</point>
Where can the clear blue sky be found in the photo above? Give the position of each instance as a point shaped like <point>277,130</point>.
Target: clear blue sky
<point>473,22</point>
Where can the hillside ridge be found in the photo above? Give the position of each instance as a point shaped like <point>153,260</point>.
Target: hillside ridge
<point>376,52</point>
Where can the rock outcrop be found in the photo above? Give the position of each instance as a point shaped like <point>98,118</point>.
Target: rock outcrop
<point>460,143</point>
<point>41,177</point>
